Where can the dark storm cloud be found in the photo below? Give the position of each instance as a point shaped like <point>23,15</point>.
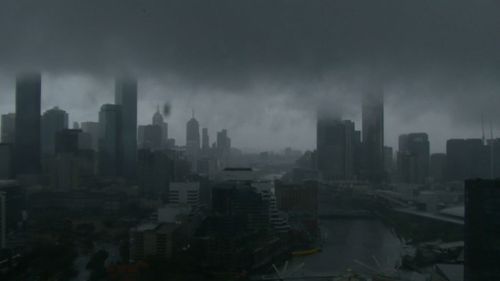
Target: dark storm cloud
<point>213,39</point>
<point>433,55</point>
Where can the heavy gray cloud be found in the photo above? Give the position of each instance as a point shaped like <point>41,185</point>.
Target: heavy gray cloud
<point>263,67</point>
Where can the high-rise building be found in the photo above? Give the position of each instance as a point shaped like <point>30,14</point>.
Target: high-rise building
<point>27,144</point>
<point>223,146</point>
<point>482,217</point>
<point>3,220</point>
<point>205,141</point>
<point>184,193</point>
<point>159,121</point>
<point>6,161</point>
<point>92,128</point>
<point>155,169</point>
<point>8,128</point>
<point>357,153</point>
<point>53,121</point>
<point>68,141</point>
<point>12,210</point>
<point>437,167</point>
<point>373,136</point>
<point>466,159</point>
<point>126,97</point>
<point>334,146</point>
<point>110,141</point>
<point>152,136</point>
<point>414,157</point>
<point>193,142</point>
<point>74,160</point>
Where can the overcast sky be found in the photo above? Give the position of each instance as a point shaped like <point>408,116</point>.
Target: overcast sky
<point>262,68</point>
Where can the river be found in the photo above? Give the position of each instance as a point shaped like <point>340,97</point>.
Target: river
<point>358,244</point>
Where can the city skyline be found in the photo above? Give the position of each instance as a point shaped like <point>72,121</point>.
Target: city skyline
<point>290,125</point>
<point>299,55</point>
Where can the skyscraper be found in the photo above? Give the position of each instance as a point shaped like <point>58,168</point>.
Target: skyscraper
<point>466,159</point>
<point>8,128</point>
<point>27,145</point>
<point>437,166</point>
<point>126,97</point>
<point>159,121</point>
<point>193,141</point>
<point>92,128</point>
<point>373,136</point>
<point>482,216</point>
<point>414,157</point>
<point>152,137</point>
<point>334,145</point>
<point>110,141</point>
<point>223,143</point>
<point>205,141</point>
<point>53,121</point>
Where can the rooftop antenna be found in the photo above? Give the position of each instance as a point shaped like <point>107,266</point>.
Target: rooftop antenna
<point>492,155</point>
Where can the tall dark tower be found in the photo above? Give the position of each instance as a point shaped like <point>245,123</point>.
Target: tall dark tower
<point>110,141</point>
<point>27,136</point>
<point>126,97</point>
<point>53,121</point>
<point>373,135</point>
<point>205,140</point>
<point>334,146</point>
<point>193,141</point>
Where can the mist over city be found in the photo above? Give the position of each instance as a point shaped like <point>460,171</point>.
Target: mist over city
<point>249,140</point>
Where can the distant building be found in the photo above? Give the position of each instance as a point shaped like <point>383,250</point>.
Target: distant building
<point>3,220</point>
<point>373,136</point>
<point>159,121</point>
<point>467,159</point>
<point>53,121</point>
<point>12,209</point>
<point>298,198</point>
<point>9,128</point>
<point>153,240</point>
<point>244,203</point>
<point>155,171</point>
<point>92,128</point>
<point>334,145</point>
<point>388,160</point>
<point>6,161</point>
<point>223,143</point>
<point>437,167</point>
<point>482,217</point>
<point>27,136</point>
<point>74,160</point>
<point>170,143</point>
<point>414,157</point>
<point>205,141</point>
<point>174,213</point>
<point>151,137</point>
<point>126,98</point>
<point>71,141</point>
<point>184,193</point>
<point>193,142</point>
<point>110,141</point>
